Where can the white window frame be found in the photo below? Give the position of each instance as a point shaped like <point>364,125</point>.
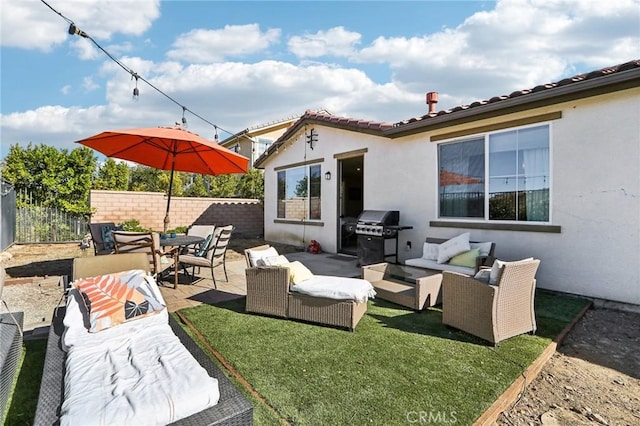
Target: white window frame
<point>307,204</point>
<point>485,137</point>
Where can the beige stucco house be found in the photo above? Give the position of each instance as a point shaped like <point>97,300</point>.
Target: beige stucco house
<point>552,172</point>
<point>253,141</point>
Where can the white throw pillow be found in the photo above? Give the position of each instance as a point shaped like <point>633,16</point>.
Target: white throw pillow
<point>485,248</point>
<point>430,251</point>
<point>256,255</point>
<point>454,246</point>
<point>274,261</point>
<point>497,266</point>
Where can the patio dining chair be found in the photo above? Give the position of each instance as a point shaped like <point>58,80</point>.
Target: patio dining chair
<point>160,261</point>
<point>97,231</point>
<point>212,256</point>
<point>200,231</point>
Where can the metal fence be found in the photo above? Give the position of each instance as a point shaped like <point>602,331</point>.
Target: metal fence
<point>36,223</point>
<point>7,214</point>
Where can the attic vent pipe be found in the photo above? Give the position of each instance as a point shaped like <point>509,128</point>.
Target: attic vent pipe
<point>432,100</point>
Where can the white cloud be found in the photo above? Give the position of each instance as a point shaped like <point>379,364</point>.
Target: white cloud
<point>89,85</point>
<point>32,25</point>
<point>207,46</point>
<point>517,45</point>
<point>335,41</point>
<point>65,89</point>
<point>84,49</point>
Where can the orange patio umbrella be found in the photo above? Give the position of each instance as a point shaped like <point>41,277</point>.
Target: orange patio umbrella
<point>452,178</point>
<point>168,148</point>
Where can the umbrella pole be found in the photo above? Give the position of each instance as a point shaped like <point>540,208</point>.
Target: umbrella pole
<point>166,216</point>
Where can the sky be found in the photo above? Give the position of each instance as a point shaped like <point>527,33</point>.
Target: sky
<point>238,64</point>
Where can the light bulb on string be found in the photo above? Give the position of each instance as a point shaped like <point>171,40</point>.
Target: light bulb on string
<point>136,91</point>
<point>215,137</point>
<point>184,119</point>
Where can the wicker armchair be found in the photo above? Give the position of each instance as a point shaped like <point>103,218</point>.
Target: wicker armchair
<point>492,312</point>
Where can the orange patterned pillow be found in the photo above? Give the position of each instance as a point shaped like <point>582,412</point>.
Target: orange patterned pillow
<point>117,298</point>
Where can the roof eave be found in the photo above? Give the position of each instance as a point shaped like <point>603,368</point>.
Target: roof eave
<point>305,121</point>
<point>592,87</point>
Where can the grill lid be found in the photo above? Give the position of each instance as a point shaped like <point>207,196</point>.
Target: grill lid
<point>380,217</point>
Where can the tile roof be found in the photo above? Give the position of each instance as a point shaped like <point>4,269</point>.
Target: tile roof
<point>604,72</point>
<point>327,119</point>
<point>628,71</point>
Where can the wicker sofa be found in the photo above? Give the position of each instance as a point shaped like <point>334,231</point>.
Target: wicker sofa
<point>232,408</point>
<point>492,312</point>
<point>268,293</point>
<point>486,259</point>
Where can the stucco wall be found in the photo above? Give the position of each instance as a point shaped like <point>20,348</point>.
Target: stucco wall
<point>149,209</point>
<point>595,195</point>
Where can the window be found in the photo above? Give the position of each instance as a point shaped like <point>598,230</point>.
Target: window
<point>503,176</point>
<point>260,146</point>
<point>299,193</point>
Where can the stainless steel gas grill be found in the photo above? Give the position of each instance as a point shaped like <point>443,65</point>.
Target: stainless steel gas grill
<point>374,228</point>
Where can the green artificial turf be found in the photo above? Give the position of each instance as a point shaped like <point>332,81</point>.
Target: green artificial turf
<point>398,367</point>
<point>21,407</point>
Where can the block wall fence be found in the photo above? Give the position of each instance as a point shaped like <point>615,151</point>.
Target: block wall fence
<point>149,208</point>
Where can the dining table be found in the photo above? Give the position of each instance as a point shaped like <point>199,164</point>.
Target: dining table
<point>180,240</point>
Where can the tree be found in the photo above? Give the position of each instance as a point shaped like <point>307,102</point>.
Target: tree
<point>144,178</point>
<point>197,187</point>
<point>301,187</point>
<point>52,177</point>
<point>112,176</point>
<point>223,185</point>
<point>251,185</point>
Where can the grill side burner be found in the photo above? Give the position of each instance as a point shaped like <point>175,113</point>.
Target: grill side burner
<point>373,228</point>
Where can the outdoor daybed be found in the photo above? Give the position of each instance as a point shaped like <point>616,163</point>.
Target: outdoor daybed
<point>144,370</point>
<point>457,254</point>
<point>288,290</point>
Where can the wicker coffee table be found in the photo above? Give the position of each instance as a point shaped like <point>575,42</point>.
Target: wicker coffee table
<point>405,285</point>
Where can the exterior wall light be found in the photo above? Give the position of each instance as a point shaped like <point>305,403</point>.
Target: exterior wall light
<point>327,176</point>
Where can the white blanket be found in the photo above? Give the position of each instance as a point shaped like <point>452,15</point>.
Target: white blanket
<point>339,288</point>
<point>134,373</point>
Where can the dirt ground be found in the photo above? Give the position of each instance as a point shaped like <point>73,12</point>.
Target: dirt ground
<point>594,377</point>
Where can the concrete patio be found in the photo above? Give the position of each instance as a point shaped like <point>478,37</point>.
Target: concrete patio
<point>202,290</point>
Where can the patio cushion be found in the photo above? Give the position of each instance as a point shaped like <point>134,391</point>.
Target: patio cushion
<point>454,246</point>
<point>279,260</point>
<point>468,258</point>
<point>298,272</point>
<point>430,251</point>
<point>256,255</point>
<point>497,266</point>
<point>117,298</point>
<point>483,275</point>
<point>485,248</point>
<point>202,250</point>
<point>107,237</point>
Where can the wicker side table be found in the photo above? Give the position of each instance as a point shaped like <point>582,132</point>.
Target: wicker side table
<point>405,285</point>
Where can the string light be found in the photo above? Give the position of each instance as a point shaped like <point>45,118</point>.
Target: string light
<point>74,30</point>
<point>136,92</point>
